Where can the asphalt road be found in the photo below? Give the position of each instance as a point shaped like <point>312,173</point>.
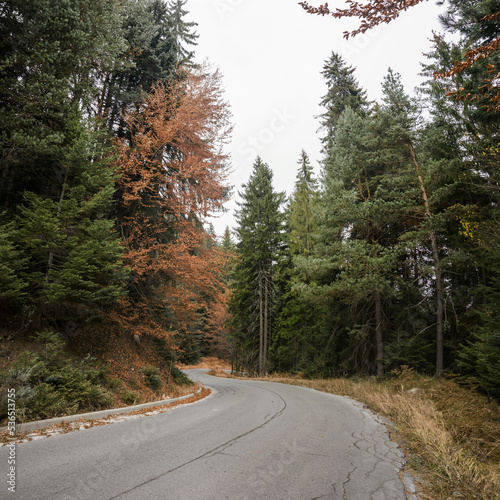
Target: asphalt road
<point>248,440</point>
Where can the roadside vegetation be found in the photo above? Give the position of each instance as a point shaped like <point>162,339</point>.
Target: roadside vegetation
<point>449,433</point>
<point>55,377</point>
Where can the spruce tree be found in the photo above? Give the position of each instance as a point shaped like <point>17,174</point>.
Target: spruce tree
<point>157,35</point>
<point>296,343</point>
<point>51,58</point>
<point>259,232</point>
<point>227,241</point>
<point>361,251</point>
<point>301,208</point>
<point>343,91</point>
<point>181,31</point>
<point>13,288</point>
<point>73,252</point>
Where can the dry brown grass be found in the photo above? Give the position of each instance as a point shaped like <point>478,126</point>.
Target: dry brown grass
<point>451,434</point>
<point>216,364</point>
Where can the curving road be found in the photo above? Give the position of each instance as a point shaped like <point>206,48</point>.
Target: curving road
<point>248,440</point>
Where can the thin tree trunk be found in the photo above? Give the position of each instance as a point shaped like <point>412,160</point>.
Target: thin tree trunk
<point>264,361</point>
<point>104,97</point>
<point>437,272</point>
<point>61,197</point>
<point>379,317</point>
<point>261,326</point>
<point>439,311</point>
<point>6,183</point>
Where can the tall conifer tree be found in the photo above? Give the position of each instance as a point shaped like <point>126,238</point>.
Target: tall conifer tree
<point>343,91</point>
<point>461,144</point>
<point>301,208</point>
<point>73,253</point>
<point>52,55</point>
<point>259,232</point>
<point>296,345</point>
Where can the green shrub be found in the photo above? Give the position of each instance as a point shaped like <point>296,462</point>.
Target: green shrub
<point>98,397</point>
<point>130,397</point>
<point>96,372</point>
<point>179,376</point>
<point>115,383</point>
<point>133,383</point>
<point>46,402</point>
<point>152,377</point>
<point>48,384</point>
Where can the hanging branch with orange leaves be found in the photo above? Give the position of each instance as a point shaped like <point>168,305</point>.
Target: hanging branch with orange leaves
<point>172,176</point>
<point>371,14</point>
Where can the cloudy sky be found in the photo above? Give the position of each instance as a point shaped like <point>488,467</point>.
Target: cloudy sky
<point>271,53</point>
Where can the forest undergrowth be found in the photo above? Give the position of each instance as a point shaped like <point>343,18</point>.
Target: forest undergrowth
<point>98,367</point>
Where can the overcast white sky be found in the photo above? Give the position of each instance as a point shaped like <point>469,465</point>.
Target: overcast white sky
<point>271,54</point>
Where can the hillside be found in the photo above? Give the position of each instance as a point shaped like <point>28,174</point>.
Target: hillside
<point>96,366</point>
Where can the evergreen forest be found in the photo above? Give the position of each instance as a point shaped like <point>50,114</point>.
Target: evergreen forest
<point>113,161</point>
<point>389,257</point>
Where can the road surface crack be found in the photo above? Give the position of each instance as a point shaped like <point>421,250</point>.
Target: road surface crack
<point>212,452</point>
<point>346,482</point>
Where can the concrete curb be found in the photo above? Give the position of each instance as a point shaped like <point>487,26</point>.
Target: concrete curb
<point>40,424</point>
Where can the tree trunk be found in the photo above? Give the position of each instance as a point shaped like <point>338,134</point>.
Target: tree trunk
<point>6,183</point>
<point>101,110</point>
<point>264,361</point>
<point>437,272</point>
<point>439,310</point>
<point>50,259</point>
<point>261,326</point>
<point>379,318</point>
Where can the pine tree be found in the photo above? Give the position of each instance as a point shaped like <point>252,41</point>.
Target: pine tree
<point>400,113</point>
<point>74,253</point>
<point>461,144</point>
<point>343,91</point>
<point>295,345</point>
<point>52,54</point>
<point>259,232</point>
<point>365,212</point>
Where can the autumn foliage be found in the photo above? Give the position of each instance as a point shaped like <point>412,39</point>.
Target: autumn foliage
<point>172,174</point>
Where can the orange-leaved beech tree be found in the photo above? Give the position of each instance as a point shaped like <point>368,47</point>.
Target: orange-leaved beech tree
<point>172,177</point>
<point>217,328</point>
